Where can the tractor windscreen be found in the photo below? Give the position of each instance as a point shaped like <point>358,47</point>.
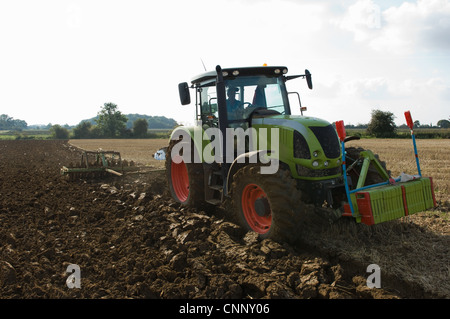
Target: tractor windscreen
<point>249,93</point>
<point>245,96</point>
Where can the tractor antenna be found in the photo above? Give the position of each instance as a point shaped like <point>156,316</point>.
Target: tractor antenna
<point>203,64</point>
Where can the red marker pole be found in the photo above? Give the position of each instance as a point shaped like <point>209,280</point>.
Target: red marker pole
<point>410,124</point>
<point>340,128</point>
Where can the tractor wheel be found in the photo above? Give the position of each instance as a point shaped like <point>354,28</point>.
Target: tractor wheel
<point>185,180</point>
<point>269,205</point>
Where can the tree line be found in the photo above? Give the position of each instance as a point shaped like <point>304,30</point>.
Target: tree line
<point>382,125</point>
<point>111,123</point>
<point>8,123</point>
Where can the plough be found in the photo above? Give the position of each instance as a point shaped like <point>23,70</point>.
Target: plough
<point>98,164</point>
<point>388,200</point>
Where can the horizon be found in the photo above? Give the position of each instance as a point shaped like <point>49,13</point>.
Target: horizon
<point>356,126</point>
<point>93,118</point>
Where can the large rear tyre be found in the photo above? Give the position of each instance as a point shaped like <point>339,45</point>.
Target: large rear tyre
<point>268,204</point>
<point>184,180</point>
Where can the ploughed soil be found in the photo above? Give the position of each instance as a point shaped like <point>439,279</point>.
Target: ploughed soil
<point>131,240</point>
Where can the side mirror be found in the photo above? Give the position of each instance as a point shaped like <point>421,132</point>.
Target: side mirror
<point>185,96</point>
<point>308,79</point>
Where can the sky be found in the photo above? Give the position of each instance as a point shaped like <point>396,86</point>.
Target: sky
<point>61,60</point>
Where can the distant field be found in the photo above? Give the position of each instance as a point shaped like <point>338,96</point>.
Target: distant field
<point>434,155</point>
<point>427,133</point>
<point>25,134</point>
<point>44,134</point>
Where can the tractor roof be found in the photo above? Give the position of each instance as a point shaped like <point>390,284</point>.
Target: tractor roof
<point>233,72</point>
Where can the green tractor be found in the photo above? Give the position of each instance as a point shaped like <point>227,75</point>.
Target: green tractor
<point>247,149</point>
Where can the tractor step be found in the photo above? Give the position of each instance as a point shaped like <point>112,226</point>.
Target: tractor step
<point>213,182</point>
<point>214,201</point>
<point>389,202</point>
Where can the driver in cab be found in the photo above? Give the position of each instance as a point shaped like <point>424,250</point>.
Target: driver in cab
<point>235,108</point>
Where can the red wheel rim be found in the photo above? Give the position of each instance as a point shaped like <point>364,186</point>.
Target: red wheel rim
<point>180,180</point>
<point>250,194</point>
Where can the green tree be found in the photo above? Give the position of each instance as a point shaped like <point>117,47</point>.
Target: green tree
<point>95,132</point>
<point>443,124</point>
<point>82,130</point>
<point>140,127</point>
<point>59,132</point>
<point>110,121</point>
<point>382,124</point>
<point>9,123</point>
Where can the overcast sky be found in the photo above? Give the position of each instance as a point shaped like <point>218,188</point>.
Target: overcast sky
<point>61,60</point>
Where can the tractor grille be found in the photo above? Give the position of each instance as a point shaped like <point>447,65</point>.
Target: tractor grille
<point>328,139</point>
<point>301,148</point>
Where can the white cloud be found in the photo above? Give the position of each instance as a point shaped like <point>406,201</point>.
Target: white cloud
<point>353,99</point>
<point>418,27</point>
<point>367,88</point>
<point>361,18</point>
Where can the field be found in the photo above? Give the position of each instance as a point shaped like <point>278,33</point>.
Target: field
<point>421,133</point>
<point>434,156</point>
<point>131,240</point>
<point>434,159</point>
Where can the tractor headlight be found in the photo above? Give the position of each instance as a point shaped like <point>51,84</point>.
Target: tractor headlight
<point>315,153</point>
<point>315,163</point>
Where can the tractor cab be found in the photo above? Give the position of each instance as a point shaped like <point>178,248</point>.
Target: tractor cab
<point>249,92</point>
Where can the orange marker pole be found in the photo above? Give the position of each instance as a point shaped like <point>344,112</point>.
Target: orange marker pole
<point>410,124</point>
<point>340,128</point>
